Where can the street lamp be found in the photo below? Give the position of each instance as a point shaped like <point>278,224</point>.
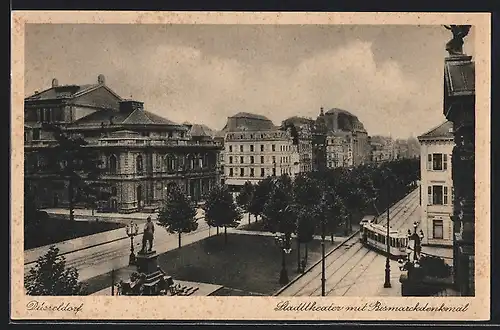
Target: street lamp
<point>417,238</point>
<point>284,244</point>
<point>132,231</point>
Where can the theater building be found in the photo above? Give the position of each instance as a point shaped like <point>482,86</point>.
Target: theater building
<point>144,154</point>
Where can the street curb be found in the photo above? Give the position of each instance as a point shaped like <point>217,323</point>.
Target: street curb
<point>330,252</point>
<point>85,248</point>
<point>90,246</point>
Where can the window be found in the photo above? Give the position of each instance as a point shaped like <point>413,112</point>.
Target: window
<point>112,164</point>
<point>262,159</point>
<point>445,195</point>
<point>230,172</point>
<point>230,148</point>
<point>261,147</point>
<point>429,195</point>
<point>437,162</point>
<point>437,229</point>
<point>36,134</point>
<point>273,147</point>
<point>113,191</point>
<point>242,160</point>
<point>241,148</point>
<point>252,172</point>
<point>230,159</point>
<point>437,195</point>
<point>170,134</point>
<point>252,159</point>
<point>274,171</point>
<point>242,172</point>
<point>445,162</point>
<point>139,164</point>
<point>274,159</point>
<point>262,172</point>
<point>251,148</point>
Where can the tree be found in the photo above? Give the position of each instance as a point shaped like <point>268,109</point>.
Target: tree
<point>306,193</point>
<point>220,209</point>
<point>73,162</point>
<point>305,229</point>
<point>245,197</point>
<point>260,197</point>
<point>95,192</point>
<point>178,214</point>
<point>51,277</point>
<point>278,210</point>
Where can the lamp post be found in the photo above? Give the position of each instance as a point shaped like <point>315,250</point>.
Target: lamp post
<point>283,242</point>
<point>132,231</point>
<point>323,279</point>
<point>387,282</point>
<point>417,238</point>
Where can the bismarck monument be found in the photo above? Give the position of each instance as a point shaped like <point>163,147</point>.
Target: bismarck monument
<point>150,279</point>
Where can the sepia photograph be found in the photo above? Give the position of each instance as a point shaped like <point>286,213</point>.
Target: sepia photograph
<point>297,162</point>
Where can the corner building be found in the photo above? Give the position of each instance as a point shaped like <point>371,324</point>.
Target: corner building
<point>254,149</point>
<point>436,194</point>
<point>144,154</point>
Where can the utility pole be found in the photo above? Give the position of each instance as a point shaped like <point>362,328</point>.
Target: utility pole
<point>323,279</point>
<point>387,283</point>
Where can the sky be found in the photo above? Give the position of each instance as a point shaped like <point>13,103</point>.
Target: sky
<point>390,77</point>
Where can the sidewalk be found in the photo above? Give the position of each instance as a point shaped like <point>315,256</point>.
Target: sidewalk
<point>86,242</point>
<point>79,243</point>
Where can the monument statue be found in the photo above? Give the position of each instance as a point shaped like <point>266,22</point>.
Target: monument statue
<point>147,237</point>
<point>455,46</point>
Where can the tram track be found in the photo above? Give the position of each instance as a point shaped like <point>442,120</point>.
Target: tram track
<point>372,255</point>
<point>362,256</point>
<point>399,208</point>
<point>120,249</point>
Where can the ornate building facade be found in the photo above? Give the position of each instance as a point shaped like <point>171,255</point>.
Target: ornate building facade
<point>303,128</point>
<point>459,108</point>
<point>436,198</point>
<point>254,149</point>
<point>339,140</point>
<point>143,154</point>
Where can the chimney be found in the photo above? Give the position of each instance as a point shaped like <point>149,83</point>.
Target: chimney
<point>101,80</point>
<point>55,83</point>
<point>128,106</point>
<point>321,111</point>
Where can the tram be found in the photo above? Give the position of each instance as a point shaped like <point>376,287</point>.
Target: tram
<point>374,236</point>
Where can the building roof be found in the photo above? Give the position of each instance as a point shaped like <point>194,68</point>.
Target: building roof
<point>201,130</point>
<point>444,130</point>
<point>137,117</point>
<point>244,121</point>
<point>460,76</point>
<point>249,116</point>
<point>67,92</point>
<point>337,110</point>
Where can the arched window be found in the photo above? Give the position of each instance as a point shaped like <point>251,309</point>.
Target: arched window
<point>170,163</point>
<point>190,159</point>
<point>112,164</point>
<point>139,165</point>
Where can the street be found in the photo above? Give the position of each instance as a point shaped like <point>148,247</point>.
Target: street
<point>354,270</point>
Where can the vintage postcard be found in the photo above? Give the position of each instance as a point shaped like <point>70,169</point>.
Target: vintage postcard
<point>250,166</point>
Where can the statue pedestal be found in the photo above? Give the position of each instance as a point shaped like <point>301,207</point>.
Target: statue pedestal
<point>156,280</point>
<point>147,262</point>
